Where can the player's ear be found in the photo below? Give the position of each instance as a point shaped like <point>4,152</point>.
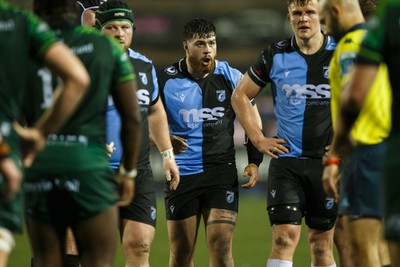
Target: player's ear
<point>336,10</point>
<point>288,18</point>
<point>185,46</point>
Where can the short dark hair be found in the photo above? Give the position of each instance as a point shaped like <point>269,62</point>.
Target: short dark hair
<point>57,12</point>
<point>298,2</point>
<point>198,27</point>
<point>368,7</point>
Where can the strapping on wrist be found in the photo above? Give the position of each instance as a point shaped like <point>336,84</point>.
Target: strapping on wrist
<point>167,154</point>
<point>130,174</point>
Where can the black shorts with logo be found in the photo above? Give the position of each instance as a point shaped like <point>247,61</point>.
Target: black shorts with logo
<point>143,208</point>
<point>294,190</point>
<point>214,188</point>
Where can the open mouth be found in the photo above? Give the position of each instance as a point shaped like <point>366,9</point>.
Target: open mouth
<point>206,61</point>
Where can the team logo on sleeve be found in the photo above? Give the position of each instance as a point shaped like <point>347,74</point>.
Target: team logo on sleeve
<point>230,196</point>
<point>326,71</point>
<point>171,70</point>
<point>221,95</point>
<point>329,202</point>
<point>42,27</point>
<point>282,44</point>
<point>143,77</point>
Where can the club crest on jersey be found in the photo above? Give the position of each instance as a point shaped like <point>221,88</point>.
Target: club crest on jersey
<point>325,70</point>
<point>282,44</point>
<point>171,70</point>
<point>221,95</point>
<point>143,77</point>
<point>230,197</point>
<point>329,202</point>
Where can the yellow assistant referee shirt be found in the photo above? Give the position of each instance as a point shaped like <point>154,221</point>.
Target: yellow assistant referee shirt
<point>374,121</point>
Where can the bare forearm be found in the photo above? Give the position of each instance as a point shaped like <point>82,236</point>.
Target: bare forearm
<point>158,126</point>
<point>247,117</point>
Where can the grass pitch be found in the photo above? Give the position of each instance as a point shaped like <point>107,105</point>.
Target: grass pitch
<point>251,244</point>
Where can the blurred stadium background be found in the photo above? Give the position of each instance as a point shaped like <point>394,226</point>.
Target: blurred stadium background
<point>244,29</point>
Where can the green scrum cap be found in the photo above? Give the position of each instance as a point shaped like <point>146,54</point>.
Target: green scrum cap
<point>114,11</point>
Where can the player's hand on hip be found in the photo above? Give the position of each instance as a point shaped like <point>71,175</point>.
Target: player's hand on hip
<point>171,173</point>
<point>126,189</point>
<point>330,180</point>
<point>251,171</point>
<point>32,141</point>
<point>179,144</point>
<point>272,146</point>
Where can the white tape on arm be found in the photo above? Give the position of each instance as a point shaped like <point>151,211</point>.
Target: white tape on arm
<point>168,154</point>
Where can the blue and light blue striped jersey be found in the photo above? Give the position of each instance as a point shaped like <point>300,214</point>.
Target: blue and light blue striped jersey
<point>147,95</point>
<point>201,112</point>
<point>301,94</point>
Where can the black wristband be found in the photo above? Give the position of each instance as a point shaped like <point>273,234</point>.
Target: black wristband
<point>253,155</point>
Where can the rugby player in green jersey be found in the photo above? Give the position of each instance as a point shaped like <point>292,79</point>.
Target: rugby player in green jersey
<point>28,38</point>
<point>70,183</point>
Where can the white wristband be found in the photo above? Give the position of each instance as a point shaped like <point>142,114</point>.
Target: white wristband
<point>131,174</point>
<point>168,154</point>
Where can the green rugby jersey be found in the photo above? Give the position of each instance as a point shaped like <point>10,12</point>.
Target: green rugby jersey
<point>23,37</point>
<point>381,44</point>
<point>80,145</point>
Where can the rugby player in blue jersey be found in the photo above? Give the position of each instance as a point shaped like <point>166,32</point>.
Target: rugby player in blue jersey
<point>138,220</point>
<point>297,69</point>
<point>196,92</point>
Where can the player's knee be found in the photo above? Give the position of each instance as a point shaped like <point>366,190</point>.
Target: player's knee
<point>181,249</point>
<point>321,248</point>
<point>7,241</point>
<point>285,214</point>
<point>221,246</point>
<point>136,247</point>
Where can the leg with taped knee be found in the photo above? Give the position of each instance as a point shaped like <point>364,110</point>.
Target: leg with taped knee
<point>286,227</point>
